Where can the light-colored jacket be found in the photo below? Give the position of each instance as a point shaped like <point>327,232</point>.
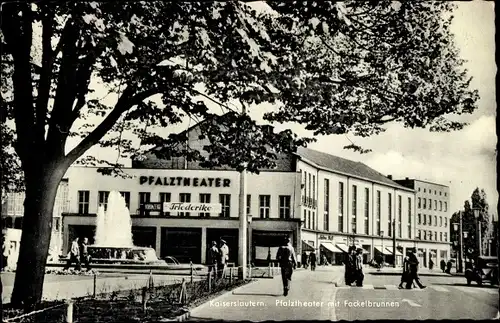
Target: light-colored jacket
<point>224,254</point>
<point>75,249</point>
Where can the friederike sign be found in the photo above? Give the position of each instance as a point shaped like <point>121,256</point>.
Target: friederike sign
<point>192,207</point>
<point>185,181</point>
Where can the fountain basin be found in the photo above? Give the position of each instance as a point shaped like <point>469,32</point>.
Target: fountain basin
<point>123,255</point>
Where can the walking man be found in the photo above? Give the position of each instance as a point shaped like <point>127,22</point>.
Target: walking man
<point>74,256</point>
<point>443,265</point>
<point>224,257</point>
<point>288,262</point>
<point>85,253</point>
<point>405,277</point>
<point>312,260</point>
<point>213,259</point>
<point>413,262</point>
<point>304,259</point>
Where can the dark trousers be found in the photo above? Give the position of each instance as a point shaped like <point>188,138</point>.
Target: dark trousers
<point>286,276</point>
<point>413,277</point>
<point>359,277</point>
<point>313,266</point>
<point>73,259</point>
<point>221,270</point>
<point>86,260</point>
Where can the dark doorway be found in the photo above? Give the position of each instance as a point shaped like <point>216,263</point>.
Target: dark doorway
<point>265,245</point>
<point>81,231</point>
<point>231,238</point>
<point>144,236</point>
<point>181,243</point>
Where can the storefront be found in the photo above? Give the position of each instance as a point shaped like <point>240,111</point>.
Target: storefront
<point>265,245</point>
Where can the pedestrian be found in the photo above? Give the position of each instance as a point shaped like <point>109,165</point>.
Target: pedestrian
<point>443,265</point>
<point>413,263</point>
<point>448,267</point>
<point>85,257</point>
<point>359,267</point>
<point>312,260</point>
<point>224,257</point>
<point>74,255</point>
<point>350,264</point>
<point>304,259</point>
<point>431,264</point>
<point>288,262</point>
<point>213,259</point>
<point>405,277</point>
<point>324,260</point>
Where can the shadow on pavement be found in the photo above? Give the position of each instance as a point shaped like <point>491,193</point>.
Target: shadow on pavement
<point>399,274</point>
<point>471,285</point>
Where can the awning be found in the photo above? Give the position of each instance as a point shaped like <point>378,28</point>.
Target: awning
<point>306,246</point>
<point>398,253</point>
<point>383,251</point>
<point>330,247</point>
<point>342,247</point>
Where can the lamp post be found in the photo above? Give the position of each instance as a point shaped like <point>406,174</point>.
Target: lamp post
<point>477,215</point>
<point>465,235</point>
<point>489,247</point>
<point>249,257</point>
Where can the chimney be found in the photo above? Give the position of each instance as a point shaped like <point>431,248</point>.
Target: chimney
<point>389,176</point>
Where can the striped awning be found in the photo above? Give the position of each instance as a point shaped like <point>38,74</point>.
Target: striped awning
<point>306,246</point>
<point>330,247</point>
<point>383,251</point>
<point>342,247</point>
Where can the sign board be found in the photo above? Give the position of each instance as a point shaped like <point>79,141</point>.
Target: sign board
<point>151,206</point>
<point>192,207</point>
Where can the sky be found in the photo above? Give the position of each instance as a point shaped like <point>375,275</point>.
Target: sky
<point>462,160</point>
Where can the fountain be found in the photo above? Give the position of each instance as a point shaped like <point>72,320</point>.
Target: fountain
<point>113,238</point>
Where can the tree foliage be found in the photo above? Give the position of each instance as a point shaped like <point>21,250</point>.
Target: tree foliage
<point>336,67</point>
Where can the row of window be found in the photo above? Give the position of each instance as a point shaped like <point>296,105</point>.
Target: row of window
<point>309,217</point>
<point>284,203</point>
<point>432,235</point>
<point>429,206</point>
<point>309,185</point>
<point>430,191</point>
<point>427,220</point>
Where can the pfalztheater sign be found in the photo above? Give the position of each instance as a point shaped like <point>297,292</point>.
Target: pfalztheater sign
<point>192,207</point>
<point>185,181</point>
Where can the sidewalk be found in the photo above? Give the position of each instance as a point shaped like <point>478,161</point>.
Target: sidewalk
<point>263,299</point>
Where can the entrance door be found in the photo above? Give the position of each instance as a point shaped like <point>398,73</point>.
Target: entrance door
<point>181,243</point>
<point>144,236</point>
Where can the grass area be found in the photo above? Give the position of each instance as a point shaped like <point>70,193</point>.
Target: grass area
<point>162,303</point>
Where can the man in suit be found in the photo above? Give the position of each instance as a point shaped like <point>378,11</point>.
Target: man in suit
<point>288,262</point>
<point>413,263</point>
<point>359,268</point>
<point>213,259</point>
<point>312,260</point>
<point>224,257</point>
<point>74,255</point>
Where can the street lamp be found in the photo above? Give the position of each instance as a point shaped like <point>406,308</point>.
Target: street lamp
<point>249,257</point>
<point>489,247</point>
<point>477,215</point>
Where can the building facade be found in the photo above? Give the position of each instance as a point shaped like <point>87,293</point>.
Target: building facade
<point>433,219</point>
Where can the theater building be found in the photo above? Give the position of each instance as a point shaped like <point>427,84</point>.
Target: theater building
<point>320,201</point>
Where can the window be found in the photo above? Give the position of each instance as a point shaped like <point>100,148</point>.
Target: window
<point>419,219</point>
<point>309,221</point>
<point>419,234</point>
<point>314,190</point>
<point>144,197</point>
<point>309,176</point>
<point>103,199</point>
<point>326,213</point>
<point>435,192</point>
<point>389,214</point>
<point>225,201</point>
<point>440,193</point>
<point>265,206</point>
<point>440,236</point>
<point>440,221</point>
<point>435,220</point>
<point>379,211</point>
<point>409,218</point>
<point>83,202</point>
<point>419,202</point>
<point>367,209</point>
<point>249,202</point>
<point>425,190</point>
<point>425,220</point>
<point>419,189</point>
<point>445,206</point>
<point>184,198</point>
<point>440,205</point>
<point>341,208</point>
<point>313,221</point>
<point>445,195</point>
<point>205,198</point>
<point>57,223</point>
<point>445,222</point>
<point>305,219</point>
<point>435,235</point>
<point>446,237</point>
<point>425,203</point>
<point>400,214</point>
<point>430,204</point>
<point>430,219</point>
<point>354,209</point>
<point>435,205</point>
<point>305,184</point>
<point>165,198</point>
<point>425,235</point>
<point>284,206</point>
<point>126,196</point>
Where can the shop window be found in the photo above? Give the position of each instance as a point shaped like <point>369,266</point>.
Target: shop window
<point>126,196</point>
<point>83,202</point>
<point>144,197</point>
<point>103,199</point>
<point>165,197</point>
<point>284,206</point>
<point>205,198</point>
<point>225,201</point>
<point>184,198</point>
<point>265,206</point>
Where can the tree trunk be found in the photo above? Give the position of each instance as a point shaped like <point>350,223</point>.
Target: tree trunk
<point>41,191</point>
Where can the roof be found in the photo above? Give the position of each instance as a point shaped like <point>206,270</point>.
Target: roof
<point>345,166</point>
